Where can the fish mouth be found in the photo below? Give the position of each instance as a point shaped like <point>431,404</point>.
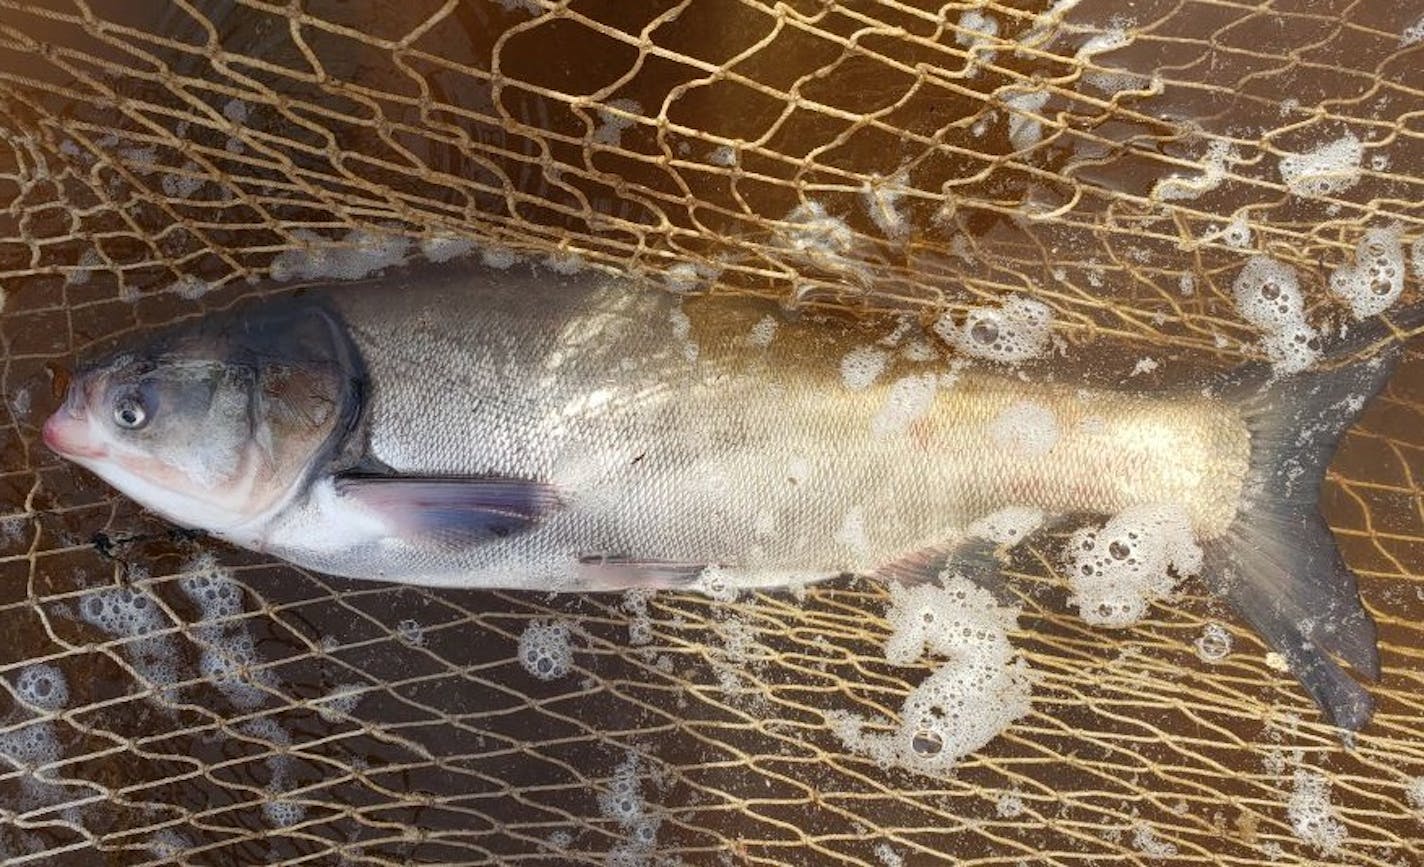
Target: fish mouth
<point>64,435</point>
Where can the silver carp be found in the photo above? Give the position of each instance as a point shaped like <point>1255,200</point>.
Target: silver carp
<point>458,426</point>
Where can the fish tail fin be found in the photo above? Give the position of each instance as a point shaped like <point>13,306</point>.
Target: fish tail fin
<point>1278,564</point>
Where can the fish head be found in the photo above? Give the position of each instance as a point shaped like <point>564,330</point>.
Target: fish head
<point>214,426</point>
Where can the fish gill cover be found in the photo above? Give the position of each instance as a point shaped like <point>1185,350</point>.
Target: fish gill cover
<point>1148,186</point>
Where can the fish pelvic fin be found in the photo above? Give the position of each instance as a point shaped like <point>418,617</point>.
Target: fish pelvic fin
<point>1278,564</point>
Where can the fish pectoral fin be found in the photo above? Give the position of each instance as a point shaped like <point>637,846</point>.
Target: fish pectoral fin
<point>617,572</point>
<point>453,510</point>
<point>974,558</point>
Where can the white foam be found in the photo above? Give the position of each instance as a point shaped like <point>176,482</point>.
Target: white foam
<point>1413,33</point>
<point>1145,840</point>
<point>564,262</point>
<point>281,812</point>
<point>340,701</point>
<point>1025,130</point>
<point>545,649</point>
<point>212,588</point>
<point>612,121</point>
<point>1331,168</point>
<point>183,186</point>
<point>1267,294</point>
<point>41,685</point>
<point>498,257</point>
<point>1214,644</point>
<point>1219,154</point>
<point>882,201</point>
<point>1414,793</point>
<point>359,254</point>
<point>30,746</point>
<point>978,29</point>
<point>1116,571</point>
<point>966,702</point>
<point>1014,332</point>
<point>411,632</point>
<point>1007,526</point>
<point>862,366</point>
<point>622,801</point>
<point>1106,79</point>
<point>724,155</point>
<point>1009,805</point>
<point>235,110</point>
<point>888,856</point>
<point>229,662</point>
<point>809,229</point>
<point>1313,819</point>
<point>1025,428</point>
<point>1375,281</point>
<point>906,401</point>
<point>764,332</point>
<point>445,246</point>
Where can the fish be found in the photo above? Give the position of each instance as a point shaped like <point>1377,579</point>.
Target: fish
<point>469,427</point>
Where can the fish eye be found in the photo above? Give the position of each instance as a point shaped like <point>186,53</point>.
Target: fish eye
<point>129,412</point>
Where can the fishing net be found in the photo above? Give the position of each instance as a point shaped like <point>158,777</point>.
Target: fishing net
<point>171,700</point>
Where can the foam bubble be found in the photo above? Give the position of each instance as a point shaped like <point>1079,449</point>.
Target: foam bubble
<point>1376,279</point>
<point>191,287</point>
<point>545,650</point>
<point>809,229</point>
<point>862,366</point>
<point>31,746</point>
<point>499,258</point>
<point>906,401</point>
<point>444,246</point>
<point>1214,644</point>
<point>122,611</point>
<point>882,201</point>
<point>966,702</point>
<point>1027,429</point>
<point>1016,331</point>
<point>764,332</point>
<point>43,686</point>
<point>283,813</point>
<point>1007,526</point>
<point>229,662</point>
<point>1311,814</point>
<point>411,632</point>
<point>212,588</point>
<point>340,701</point>
<point>1145,840</point>
<point>1025,129</point>
<point>612,121</point>
<point>977,30</point>
<point>361,252</point>
<point>888,856</point>
<point>1009,805</point>
<point>1177,187</point>
<point>1267,294</point>
<point>1116,571</point>
<point>1414,792</point>
<point>1331,168</point>
<point>622,801</point>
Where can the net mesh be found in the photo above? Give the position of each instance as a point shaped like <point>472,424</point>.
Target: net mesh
<point>172,701</point>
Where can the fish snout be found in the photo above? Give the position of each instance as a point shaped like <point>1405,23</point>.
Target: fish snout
<point>67,434</point>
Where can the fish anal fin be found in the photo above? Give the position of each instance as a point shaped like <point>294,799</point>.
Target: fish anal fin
<point>453,510</point>
<point>975,558</point>
<point>617,572</point>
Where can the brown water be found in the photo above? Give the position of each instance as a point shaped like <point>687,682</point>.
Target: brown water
<point>124,165</point>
